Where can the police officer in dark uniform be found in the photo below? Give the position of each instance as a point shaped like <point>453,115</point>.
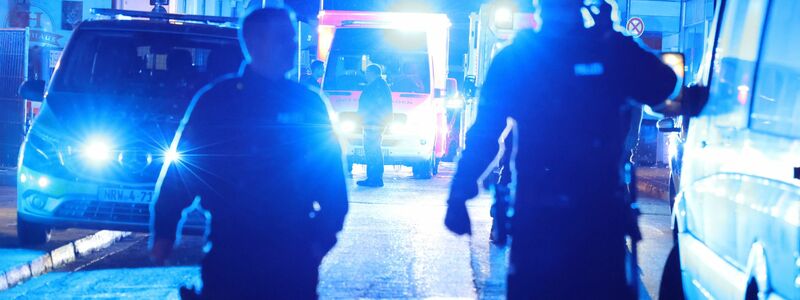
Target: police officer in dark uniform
<point>247,145</point>
<point>375,110</point>
<point>569,221</point>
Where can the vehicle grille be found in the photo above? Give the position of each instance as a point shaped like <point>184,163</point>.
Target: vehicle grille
<point>122,212</point>
<point>106,211</point>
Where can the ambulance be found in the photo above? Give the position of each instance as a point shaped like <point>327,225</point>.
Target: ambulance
<point>412,49</point>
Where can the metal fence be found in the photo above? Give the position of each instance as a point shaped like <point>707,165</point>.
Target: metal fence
<point>13,71</point>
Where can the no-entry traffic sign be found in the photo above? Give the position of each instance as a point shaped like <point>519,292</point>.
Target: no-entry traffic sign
<point>635,26</point>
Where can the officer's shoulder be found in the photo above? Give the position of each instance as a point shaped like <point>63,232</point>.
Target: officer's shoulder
<point>626,42</point>
<point>310,97</point>
<point>221,86</point>
<point>303,91</point>
<point>526,37</point>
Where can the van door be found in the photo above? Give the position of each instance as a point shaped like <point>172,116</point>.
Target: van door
<point>775,142</point>
<point>713,145</point>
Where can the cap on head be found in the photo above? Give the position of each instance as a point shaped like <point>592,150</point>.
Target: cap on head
<point>317,64</point>
<point>374,70</point>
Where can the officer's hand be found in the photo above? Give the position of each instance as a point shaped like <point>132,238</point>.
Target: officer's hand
<point>461,189</point>
<point>160,250</point>
<point>457,218</point>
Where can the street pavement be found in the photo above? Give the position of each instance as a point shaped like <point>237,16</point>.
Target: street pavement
<point>11,252</point>
<point>393,245</point>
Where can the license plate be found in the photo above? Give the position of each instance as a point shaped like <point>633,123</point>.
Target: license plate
<point>360,152</point>
<point>125,195</point>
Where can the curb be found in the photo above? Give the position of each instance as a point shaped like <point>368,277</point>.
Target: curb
<point>59,257</point>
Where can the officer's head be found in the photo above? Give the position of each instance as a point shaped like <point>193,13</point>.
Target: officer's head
<point>317,69</point>
<point>559,11</point>
<point>268,38</point>
<point>373,72</point>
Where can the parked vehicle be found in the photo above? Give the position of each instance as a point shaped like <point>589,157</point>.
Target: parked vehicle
<point>92,156</point>
<point>737,210</point>
<point>413,50</point>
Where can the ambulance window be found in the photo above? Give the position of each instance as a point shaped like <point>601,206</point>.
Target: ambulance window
<point>402,54</point>
<point>734,62</point>
<point>776,104</point>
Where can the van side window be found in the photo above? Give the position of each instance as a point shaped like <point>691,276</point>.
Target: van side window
<point>735,62</point>
<point>776,105</point>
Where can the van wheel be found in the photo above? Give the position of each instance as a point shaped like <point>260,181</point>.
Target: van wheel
<point>424,170</point>
<point>32,234</point>
<point>671,287</point>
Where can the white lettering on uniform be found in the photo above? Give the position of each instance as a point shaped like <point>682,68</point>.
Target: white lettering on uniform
<point>590,69</point>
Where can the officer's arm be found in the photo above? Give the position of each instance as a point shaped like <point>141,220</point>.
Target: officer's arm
<point>645,76</point>
<point>482,144</point>
<point>329,188</point>
<point>177,183</point>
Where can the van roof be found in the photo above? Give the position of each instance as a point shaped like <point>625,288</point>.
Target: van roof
<point>159,26</point>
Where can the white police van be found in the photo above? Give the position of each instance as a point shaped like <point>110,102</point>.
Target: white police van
<point>92,156</point>
<point>737,212</point>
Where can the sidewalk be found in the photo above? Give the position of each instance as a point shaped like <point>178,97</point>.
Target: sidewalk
<point>18,265</point>
<point>8,176</point>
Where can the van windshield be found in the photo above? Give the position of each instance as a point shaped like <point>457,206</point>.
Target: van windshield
<point>402,54</point>
<point>144,64</point>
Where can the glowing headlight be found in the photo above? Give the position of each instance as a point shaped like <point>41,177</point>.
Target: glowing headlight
<point>412,128</point>
<point>97,150</point>
<point>347,126</point>
<point>396,127</point>
<point>171,155</point>
<point>43,182</point>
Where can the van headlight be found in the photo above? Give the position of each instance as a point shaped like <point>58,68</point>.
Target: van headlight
<point>347,126</point>
<point>172,155</point>
<point>97,150</point>
<point>410,128</point>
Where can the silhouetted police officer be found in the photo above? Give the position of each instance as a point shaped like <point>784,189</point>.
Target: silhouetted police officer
<point>248,144</point>
<point>375,110</point>
<point>564,87</point>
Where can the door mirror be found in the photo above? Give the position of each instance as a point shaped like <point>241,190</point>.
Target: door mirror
<point>32,90</point>
<point>668,125</point>
<point>470,87</point>
<point>451,87</point>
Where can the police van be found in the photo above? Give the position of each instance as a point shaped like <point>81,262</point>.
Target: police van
<point>92,156</point>
<point>737,210</point>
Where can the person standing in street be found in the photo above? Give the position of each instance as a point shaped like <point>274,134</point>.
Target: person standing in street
<point>375,110</point>
<point>246,147</point>
<point>564,87</point>
<point>313,79</point>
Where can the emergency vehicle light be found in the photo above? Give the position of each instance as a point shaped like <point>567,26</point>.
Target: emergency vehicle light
<point>324,41</point>
<point>123,14</point>
<point>504,18</point>
<point>97,150</point>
